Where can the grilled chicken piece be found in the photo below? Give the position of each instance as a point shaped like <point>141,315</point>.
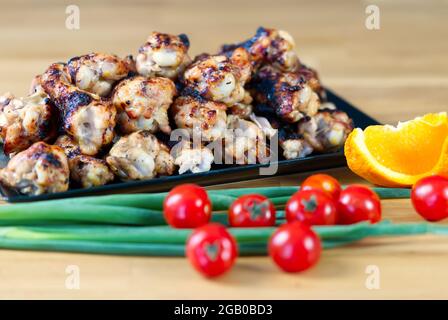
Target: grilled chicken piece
<point>327,106</point>
<point>312,79</point>
<point>242,109</point>
<point>200,117</point>
<point>24,121</point>
<point>163,55</point>
<point>244,142</point>
<point>132,64</point>
<point>142,104</point>
<point>190,158</point>
<point>35,85</point>
<point>140,156</point>
<point>41,168</point>
<point>85,116</point>
<point>164,161</point>
<point>97,72</point>
<point>269,47</point>
<point>295,146</point>
<point>327,130</point>
<point>292,143</point>
<point>288,94</point>
<point>85,171</point>
<point>219,78</point>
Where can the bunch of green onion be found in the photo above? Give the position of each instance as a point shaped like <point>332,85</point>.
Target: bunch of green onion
<point>133,224</point>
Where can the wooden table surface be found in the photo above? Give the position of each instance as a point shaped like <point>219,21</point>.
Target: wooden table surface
<point>395,73</point>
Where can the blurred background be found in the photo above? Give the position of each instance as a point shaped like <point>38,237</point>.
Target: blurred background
<point>394,73</point>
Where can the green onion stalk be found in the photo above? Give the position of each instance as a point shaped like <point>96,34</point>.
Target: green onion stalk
<point>137,209</point>
<point>166,241</point>
<point>133,224</point>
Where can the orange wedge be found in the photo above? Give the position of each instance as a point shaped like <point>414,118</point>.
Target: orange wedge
<point>399,156</point>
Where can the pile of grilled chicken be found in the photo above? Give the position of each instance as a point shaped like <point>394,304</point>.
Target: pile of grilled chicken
<point>99,117</point>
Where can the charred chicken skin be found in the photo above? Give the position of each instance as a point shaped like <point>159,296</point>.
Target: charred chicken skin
<point>24,121</point>
<point>200,117</point>
<point>269,47</point>
<point>85,116</point>
<point>97,72</point>
<point>163,55</point>
<point>312,79</point>
<point>219,78</point>
<point>288,94</point>
<point>140,156</point>
<point>142,104</point>
<point>85,171</point>
<point>41,168</point>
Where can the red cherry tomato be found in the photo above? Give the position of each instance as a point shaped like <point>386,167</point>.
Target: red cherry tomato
<point>187,206</point>
<point>358,203</point>
<point>430,198</point>
<point>252,210</point>
<point>295,247</point>
<point>323,182</point>
<point>313,207</point>
<point>211,249</point>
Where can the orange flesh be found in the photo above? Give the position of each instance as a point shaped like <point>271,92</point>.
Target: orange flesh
<point>414,148</point>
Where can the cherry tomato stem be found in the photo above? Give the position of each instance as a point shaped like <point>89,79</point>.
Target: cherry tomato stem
<point>252,210</point>
<point>311,206</point>
<point>212,250</point>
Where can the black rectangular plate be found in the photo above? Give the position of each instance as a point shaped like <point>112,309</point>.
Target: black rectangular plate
<point>217,175</point>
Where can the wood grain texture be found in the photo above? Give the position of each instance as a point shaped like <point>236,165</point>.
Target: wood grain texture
<point>395,73</point>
